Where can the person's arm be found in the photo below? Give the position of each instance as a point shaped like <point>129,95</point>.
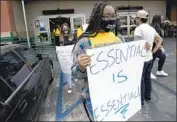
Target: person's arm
<point>137,34</point>
<point>79,49</point>
<point>158,29</point>
<point>158,41</point>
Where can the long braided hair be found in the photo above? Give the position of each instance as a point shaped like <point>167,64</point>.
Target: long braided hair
<point>94,21</point>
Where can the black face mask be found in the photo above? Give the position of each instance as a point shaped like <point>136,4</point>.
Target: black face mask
<point>107,25</point>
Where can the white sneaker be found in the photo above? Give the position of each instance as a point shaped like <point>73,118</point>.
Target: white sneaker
<point>75,80</point>
<point>69,91</point>
<point>153,76</point>
<point>161,73</point>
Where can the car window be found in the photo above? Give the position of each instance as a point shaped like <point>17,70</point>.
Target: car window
<point>5,91</point>
<point>13,69</point>
<point>29,55</point>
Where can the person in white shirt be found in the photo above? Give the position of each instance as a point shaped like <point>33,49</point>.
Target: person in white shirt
<point>144,31</point>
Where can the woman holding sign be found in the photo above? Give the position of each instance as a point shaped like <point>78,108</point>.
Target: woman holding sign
<point>67,38</point>
<point>98,33</point>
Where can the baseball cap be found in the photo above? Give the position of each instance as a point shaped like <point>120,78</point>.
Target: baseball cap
<point>142,14</point>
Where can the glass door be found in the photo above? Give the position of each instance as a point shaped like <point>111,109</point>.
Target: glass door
<point>79,20</point>
<point>124,24</point>
<point>132,26</point>
<point>42,30</point>
<point>127,23</point>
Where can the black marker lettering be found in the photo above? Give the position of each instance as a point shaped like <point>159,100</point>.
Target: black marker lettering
<point>114,104</point>
<point>142,52</point>
<point>111,57</point>
<point>104,110</point>
<point>120,102</point>
<point>122,55</point>
<point>96,116</point>
<point>91,66</point>
<point>110,106</point>
<point>131,49</point>
<point>135,51</point>
<point>117,56</point>
<point>138,50</point>
<point>99,60</point>
<point>94,73</point>
<point>131,95</point>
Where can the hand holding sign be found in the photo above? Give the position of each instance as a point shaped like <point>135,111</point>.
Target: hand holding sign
<point>84,61</point>
<point>114,77</point>
<point>147,46</point>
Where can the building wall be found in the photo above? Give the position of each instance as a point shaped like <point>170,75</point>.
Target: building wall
<point>7,20</point>
<point>19,19</point>
<point>173,13</point>
<point>34,9</point>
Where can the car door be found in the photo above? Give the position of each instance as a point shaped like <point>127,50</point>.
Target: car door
<point>5,92</point>
<point>30,56</point>
<point>38,83</point>
<point>15,73</point>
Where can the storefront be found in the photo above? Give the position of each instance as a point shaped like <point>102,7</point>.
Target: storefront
<point>43,24</point>
<point>82,11</point>
<point>171,10</point>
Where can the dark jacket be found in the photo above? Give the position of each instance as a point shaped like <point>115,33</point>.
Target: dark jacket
<point>67,41</point>
<point>158,29</point>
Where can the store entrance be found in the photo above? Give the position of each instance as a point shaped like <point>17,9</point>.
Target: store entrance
<point>58,21</point>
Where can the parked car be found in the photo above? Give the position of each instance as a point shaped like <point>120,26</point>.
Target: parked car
<point>24,78</point>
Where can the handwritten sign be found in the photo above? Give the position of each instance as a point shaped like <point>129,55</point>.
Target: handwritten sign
<point>114,80</point>
<point>64,54</point>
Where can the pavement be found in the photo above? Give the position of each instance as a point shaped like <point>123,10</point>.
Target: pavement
<point>61,106</point>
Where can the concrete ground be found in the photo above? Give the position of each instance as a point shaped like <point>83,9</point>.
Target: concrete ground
<point>59,105</point>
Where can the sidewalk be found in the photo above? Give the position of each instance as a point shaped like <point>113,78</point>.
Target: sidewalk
<point>60,105</point>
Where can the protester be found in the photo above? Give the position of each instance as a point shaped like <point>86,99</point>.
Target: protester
<point>56,32</point>
<point>85,25</point>
<point>79,31</point>
<point>67,38</point>
<point>101,23</point>
<point>156,24</point>
<point>144,31</point>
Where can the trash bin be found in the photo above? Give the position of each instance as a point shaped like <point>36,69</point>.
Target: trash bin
<point>53,41</point>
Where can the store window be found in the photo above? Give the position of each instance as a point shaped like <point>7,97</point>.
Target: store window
<point>77,22</point>
<point>29,56</point>
<point>13,69</point>
<point>123,20</point>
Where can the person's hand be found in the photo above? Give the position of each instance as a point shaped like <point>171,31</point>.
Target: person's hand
<point>147,46</point>
<point>83,60</point>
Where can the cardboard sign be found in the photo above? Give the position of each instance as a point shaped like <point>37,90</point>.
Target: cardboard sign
<point>114,80</point>
<point>64,54</point>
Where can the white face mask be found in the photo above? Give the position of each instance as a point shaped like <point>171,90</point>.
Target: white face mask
<point>66,31</point>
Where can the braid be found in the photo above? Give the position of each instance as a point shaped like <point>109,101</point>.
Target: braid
<point>96,16</point>
<point>94,21</point>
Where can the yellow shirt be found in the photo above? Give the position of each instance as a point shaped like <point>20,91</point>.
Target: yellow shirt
<point>104,39</point>
<point>79,32</point>
<point>57,32</point>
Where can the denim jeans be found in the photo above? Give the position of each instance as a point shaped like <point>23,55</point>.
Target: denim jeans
<point>146,85</point>
<point>67,79</point>
<point>161,55</point>
<point>88,105</point>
